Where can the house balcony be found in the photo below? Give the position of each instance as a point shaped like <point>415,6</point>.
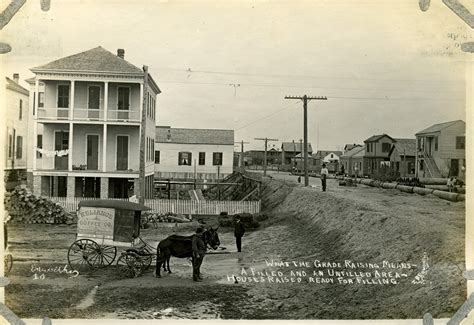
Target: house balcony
<point>87,114</point>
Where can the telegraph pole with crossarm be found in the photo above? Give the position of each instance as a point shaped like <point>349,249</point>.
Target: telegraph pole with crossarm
<point>305,100</point>
<point>241,158</point>
<point>265,155</point>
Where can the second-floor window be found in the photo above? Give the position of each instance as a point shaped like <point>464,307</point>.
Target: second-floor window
<point>39,145</point>
<point>436,143</point>
<point>63,96</point>
<point>21,110</point>
<point>10,146</point>
<point>19,147</point>
<point>202,158</point>
<point>460,142</point>
<point>123,101</point>
<point>157,156</point>
<point>217,159</point>
<point>184,159</point>
<point>368,147</point>
<point>386,147</point>
<point>41,99</point>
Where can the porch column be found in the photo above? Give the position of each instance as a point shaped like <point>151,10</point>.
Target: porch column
<point>35,122</point>
<point>141,100</point>
<point>71,102</point>
<point>106,99</point>
<point>70,146</point>
<point>104,187</point>
<point>104,149</point>
<point>71,186</point>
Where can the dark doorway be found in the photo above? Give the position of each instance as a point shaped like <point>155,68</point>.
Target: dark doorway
<point>92,152</point>
<point>61,142</point>
<point>122,152</point>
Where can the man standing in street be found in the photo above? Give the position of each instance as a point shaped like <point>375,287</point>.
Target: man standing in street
<point>324,175</point>
<point>239,231</point>
<point>199,250</point>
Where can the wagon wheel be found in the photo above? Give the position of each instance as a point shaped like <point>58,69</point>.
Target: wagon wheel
<point>8,260</point>
<point>146,262</point>
<point>130,265</point>
<point>108,254</point>
<point>84,255</point>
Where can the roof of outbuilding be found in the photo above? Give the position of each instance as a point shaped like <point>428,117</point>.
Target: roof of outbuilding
<point>406,146</point>
<point>296,146</point>
<point>377,137</point>
<point>97,59</point>
<point>352,152</point>
<point>324,153</point>
<point>438,127</point>
<point>12,85</point>
<point>166,134</point>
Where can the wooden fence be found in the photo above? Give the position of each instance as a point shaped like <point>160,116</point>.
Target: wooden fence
<point>177,206</point>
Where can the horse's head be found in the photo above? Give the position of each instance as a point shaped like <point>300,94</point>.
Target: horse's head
<point>211,238</point>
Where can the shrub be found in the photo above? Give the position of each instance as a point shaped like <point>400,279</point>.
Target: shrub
<point>385,174</point>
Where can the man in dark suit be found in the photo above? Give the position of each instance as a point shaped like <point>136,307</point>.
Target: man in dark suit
<point>199,250</point>
<point>239,231</point>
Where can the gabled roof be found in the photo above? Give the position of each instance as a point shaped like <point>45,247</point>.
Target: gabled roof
<point>438,127</point>
<point>377,137</point>
<point>406,146</point>
<point>166,134</point>
<point>353,151</point>
<point>350,146</point>
<point>94,60</point>
<point>301,155</point>
<point>12,85</point>
<point>289,147</point>
<point>323,153</point>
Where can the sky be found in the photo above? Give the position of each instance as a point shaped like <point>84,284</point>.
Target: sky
<point>385,66</point>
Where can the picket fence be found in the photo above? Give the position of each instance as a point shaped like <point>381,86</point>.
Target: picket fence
<point>177,206</point>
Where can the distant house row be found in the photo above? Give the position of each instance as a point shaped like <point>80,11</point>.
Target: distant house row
<point>437,151</point>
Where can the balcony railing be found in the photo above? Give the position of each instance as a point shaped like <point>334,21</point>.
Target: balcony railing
<point>88,114</point>
<point>85,114</point>
<point>123,116</point>
<point>53,113</point>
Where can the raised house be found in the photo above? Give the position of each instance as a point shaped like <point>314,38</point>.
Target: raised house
<point>87,126</point>
<point>441,150</point>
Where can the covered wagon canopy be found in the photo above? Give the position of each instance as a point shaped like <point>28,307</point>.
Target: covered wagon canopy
<point>115,204</point>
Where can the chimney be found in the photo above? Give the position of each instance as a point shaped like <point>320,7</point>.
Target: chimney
<point>121,53</point>
<point>16,77</point>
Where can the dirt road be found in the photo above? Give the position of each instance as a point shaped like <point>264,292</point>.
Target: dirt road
<point>361,225</point>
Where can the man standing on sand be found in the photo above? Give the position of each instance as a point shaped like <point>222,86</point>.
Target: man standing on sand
<point>239,231</point>
<point>324,175</point>
<point>199,250</point>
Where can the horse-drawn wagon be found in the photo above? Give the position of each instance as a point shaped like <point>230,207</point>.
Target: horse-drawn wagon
<point>102,227</point>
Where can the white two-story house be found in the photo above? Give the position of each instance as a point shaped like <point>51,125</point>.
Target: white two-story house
<point>93,118</point>
<point>188,154</point>
<point>16,129</point>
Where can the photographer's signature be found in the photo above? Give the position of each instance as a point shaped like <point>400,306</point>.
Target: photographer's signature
<point>40,272</point>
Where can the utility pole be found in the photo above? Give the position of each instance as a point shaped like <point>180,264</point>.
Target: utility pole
<point>241,158</point>
<point>305,100</point>
<point>265,155</point>
<point>301,155</point>
<point>141,175</point>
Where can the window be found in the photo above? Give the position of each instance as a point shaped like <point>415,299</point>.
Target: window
<point>332,156</point>
<point>217,159</point>
<point>202,158</point>
<point>63,96</point>
<point>21,109</point>
<point>386,147</point>
<point>10,146</point>
<point>368,147</point>
<point>436,143</point>
<point>123,102</point>
<point>460,142</point>
<point>157,156</point>
<point>184,159</point>
<point>41,99</point>
<point>39,145</point>
<point>19,147</point>
<point>421,165</point>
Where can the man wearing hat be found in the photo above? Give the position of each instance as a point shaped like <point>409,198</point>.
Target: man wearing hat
<point>199,250</point>
<point>239,231</point>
